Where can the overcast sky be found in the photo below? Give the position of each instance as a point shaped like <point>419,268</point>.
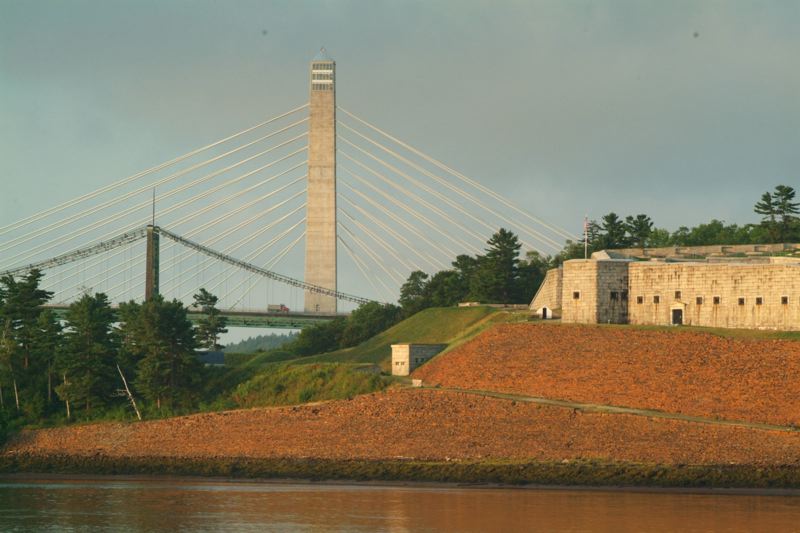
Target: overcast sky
<point>682,110</point>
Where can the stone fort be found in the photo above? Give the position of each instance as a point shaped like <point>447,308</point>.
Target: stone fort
<point>752,290</point>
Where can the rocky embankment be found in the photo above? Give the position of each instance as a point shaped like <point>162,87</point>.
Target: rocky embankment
<point>421,425</point>
<point>686,372</point>
<point>445,435</point>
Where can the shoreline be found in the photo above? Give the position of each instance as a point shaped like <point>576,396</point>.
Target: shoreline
<point>488,474</point>
<point>207,480</point>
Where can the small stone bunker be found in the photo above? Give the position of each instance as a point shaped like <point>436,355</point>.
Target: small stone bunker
<point>406,357</point>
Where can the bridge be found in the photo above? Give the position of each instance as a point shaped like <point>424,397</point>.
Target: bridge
<point>229,217</point>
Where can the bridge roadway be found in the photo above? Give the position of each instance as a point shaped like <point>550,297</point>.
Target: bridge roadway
<point>248,318</point>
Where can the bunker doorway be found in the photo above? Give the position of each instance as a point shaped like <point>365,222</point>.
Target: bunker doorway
<point>544,313</point>
<point>677,317</point>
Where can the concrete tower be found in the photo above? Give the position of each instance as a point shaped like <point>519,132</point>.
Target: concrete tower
<point>321,191</point>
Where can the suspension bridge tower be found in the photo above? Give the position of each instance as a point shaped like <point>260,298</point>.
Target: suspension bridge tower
<point>320,268</point>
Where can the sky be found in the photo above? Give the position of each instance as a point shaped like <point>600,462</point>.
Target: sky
<point>686,111</point>
<point>683,110</point>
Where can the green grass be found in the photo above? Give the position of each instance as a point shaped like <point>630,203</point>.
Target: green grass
<point>278,377</point>
<point>445,325</point>
<point>286,384</point>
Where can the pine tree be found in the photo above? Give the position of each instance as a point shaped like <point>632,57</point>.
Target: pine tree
<point>412,293</point>
<point>767,208</point>
<point>160,336</point>
<point>86,365</point>
<point>496,278</point>
<point>19,315</point>
<point>213,325</point>
<point>639,228</point>
<point>786,208</point>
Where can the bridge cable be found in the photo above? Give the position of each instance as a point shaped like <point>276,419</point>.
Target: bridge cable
<point>440,196</point>
<point>235,246</point>
<point>83,214</point>
<point>404,207</point>
<point>172,192</point>
<point>387,212</point>
<point>394,275</point>
<point>174,207</point>
<point>257,252</point>
<point>125,181</point>
<point>402,240</point>
<point>368,254</point>
<point>266,273</point>
<point>236,211</point>
<point>562,232</point>
<point>377,238</point>
<point>272,264</point>
<point>458,190</point>
<point>422,202</point>
<point>241,242</point>
<point>362,267</point>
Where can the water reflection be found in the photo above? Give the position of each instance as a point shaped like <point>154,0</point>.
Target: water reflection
<point>210,506</point>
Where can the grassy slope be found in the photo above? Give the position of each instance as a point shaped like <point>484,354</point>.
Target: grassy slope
<point>284,384</point>
<point>446,325</point>
<point>255,377</point>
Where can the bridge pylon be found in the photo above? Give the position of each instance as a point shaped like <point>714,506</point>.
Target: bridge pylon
<point>320,267</point>
<point>151,263</point>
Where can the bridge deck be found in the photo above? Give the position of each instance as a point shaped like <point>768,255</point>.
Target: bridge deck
<point>249,318</point>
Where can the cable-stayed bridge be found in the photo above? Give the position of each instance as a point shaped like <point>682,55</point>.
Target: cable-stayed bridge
<point>289,221</point>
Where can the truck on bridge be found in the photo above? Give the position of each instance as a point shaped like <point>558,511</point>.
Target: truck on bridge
<point>277,308</point>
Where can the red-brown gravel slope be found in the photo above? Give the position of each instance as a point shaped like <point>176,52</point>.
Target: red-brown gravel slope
<point>420,424</point>
<point>676,371</point>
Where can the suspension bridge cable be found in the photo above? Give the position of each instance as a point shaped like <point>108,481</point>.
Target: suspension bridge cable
<point>405,208</point>
<point>555,229</point>
<point>181,204</point>
<point>271,265</point>
<point>433,192</point>
<point>235,246</point>
<point>375,220</point>
<point>247,205</point>
<point>458,190</point>
<point>251,257</point>
<point>172,177</point>
<point>241,242</point>
<point>80,253</point>
<point>403,223</point>
<point>362,267</point>
<point>240,225</point>
<point>368,254</point>
<point>207,177</point>
<point>125,181</point>
<point>377,238</point>
<point>394,275</point>
<point>422,202</point>
<point>267,273</point>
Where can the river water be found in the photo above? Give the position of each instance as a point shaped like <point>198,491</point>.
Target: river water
<point>177,505</point>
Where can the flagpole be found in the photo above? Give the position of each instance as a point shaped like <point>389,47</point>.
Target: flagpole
<point>586,237</point>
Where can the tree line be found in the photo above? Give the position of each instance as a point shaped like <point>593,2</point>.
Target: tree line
<point>779,223</point>
<point>497,276</point>
<point>96,359</point>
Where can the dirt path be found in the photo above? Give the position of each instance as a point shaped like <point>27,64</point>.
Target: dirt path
<point>615,409</point>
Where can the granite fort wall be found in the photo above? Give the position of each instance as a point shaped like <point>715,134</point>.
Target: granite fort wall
<point>550,292</point>
<point>716,295</point>
<point>579,292</point>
